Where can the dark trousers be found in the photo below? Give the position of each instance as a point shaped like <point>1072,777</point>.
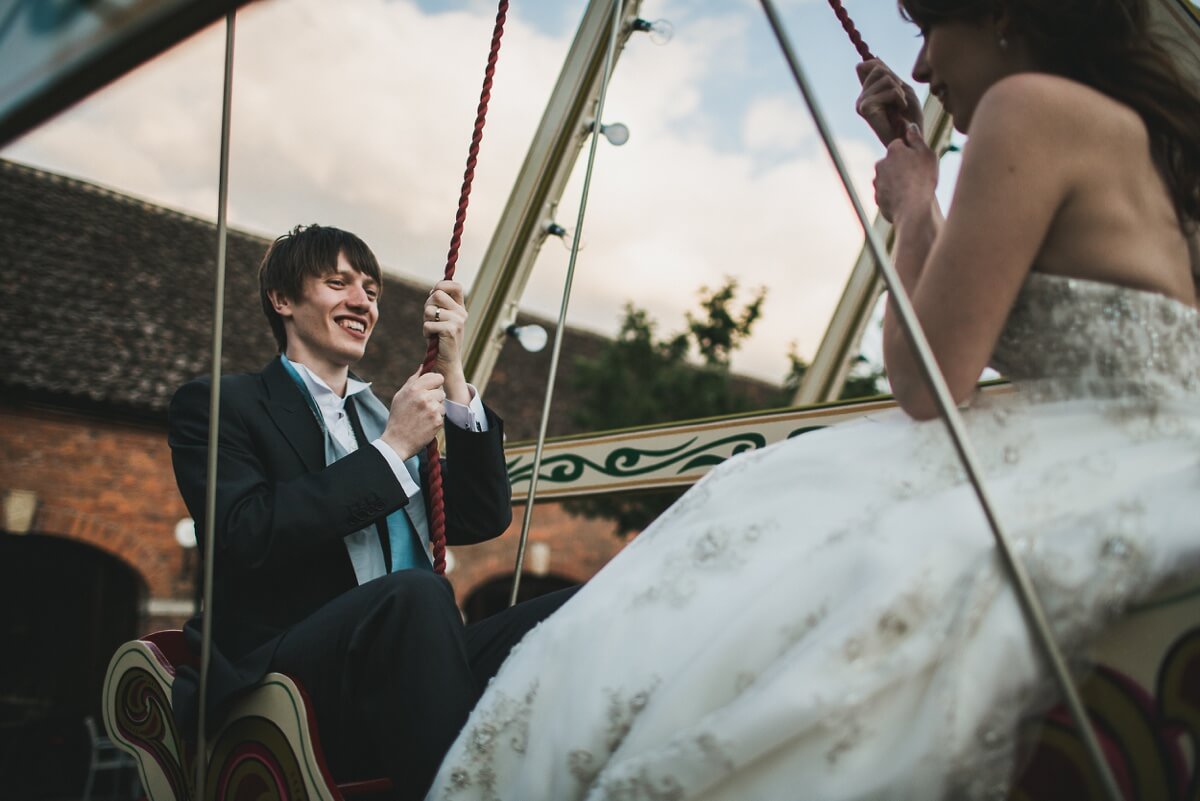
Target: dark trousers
<point>393,673</point>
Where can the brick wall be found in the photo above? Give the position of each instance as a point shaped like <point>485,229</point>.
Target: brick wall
<point>103,483</point>
<point>578,548</point>
<point>110,485</point>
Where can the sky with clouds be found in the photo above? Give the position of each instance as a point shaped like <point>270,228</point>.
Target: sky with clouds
<point>358,114</point>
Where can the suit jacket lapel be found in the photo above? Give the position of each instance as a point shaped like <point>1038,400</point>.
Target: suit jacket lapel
<point>292,416</point>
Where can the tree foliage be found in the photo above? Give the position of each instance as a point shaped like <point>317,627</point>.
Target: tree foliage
<point>864,380</point>
<point>641,379</point>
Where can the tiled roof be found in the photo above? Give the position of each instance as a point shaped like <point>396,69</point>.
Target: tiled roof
<point>106,304</point>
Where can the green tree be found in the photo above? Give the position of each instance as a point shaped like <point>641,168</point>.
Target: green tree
<point>864,380</point>
<point>640,379</point>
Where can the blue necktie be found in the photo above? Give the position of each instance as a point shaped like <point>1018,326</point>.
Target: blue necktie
<point>398,539</point>
<point>401,538</point>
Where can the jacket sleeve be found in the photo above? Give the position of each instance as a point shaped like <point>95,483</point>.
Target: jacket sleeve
<point>478,495</point>
<point>265,521</point>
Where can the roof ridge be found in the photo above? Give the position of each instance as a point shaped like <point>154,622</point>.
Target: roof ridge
<point>120,196</point>
<point>123,197</point>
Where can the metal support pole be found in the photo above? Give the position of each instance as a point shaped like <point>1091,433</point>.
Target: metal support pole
<point>1026,594</point>
<point>610,56</point>
<point>214,413</point>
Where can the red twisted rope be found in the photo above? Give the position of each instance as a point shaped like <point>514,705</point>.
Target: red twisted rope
<point>847,23</point>
<point>433,464</point>
<point>865,54</point>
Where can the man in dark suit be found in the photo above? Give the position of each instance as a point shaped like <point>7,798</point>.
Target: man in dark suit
<point>323,561</point>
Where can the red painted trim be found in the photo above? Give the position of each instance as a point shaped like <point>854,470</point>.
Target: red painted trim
<point>170,649</point>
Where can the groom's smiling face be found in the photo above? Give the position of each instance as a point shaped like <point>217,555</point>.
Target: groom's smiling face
<point>332,320</point>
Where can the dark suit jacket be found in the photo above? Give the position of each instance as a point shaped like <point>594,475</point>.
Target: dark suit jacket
<point>282,513</point>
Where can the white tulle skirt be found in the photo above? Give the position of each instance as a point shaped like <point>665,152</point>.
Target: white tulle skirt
<point>827,618</point>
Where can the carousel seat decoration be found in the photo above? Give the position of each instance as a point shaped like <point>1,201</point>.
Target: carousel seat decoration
<point>1142,693</point>
<point>266,750</point>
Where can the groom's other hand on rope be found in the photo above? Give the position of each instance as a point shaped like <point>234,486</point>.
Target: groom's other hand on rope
<point>416,414</point>
<point>885,97</point>
<point>446,319</point>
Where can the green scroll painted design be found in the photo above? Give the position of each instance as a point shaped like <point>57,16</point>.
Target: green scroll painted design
<point>628,462</point>
<point>672,454</point>
<point>805,430</point>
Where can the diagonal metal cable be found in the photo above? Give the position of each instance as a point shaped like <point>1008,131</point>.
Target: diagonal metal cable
<point>214,412</point>
<point>561,327</point>
<point>1026,594</point>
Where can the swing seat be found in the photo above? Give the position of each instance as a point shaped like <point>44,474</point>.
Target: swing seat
<point>267,749</point>
<point>1143,696</point>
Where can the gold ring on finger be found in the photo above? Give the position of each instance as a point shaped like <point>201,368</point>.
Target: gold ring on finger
<point>437,314</point>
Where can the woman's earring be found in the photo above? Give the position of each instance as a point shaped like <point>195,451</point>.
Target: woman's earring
<point>1003,42</point>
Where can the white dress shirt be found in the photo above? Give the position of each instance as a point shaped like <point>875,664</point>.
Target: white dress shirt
<point>365,553</point>
<point>469,417</point>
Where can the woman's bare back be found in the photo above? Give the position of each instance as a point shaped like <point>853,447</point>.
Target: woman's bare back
<point>1117,223</point>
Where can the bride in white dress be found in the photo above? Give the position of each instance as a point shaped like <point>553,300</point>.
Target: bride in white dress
<point>827,618</point>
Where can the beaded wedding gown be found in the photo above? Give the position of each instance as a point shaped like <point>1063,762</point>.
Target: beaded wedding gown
<point>827,618</point>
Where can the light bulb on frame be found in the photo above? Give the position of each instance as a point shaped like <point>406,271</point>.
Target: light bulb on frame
<point>617,133</point>
<point>661,31</point>
<point>564,235</point>
<point>532,337</point>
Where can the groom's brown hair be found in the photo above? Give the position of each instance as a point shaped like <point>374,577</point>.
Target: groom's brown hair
<point>308,250</point>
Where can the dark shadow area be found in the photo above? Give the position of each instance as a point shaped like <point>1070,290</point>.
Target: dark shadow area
<point>492,597</point>
<point>64,608</point>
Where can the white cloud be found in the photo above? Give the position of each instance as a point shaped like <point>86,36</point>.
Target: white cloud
<point>670,211</point>
<point>338,110</point>
<point>775,123</point>
<point>359,114</point>
<point>660,227</point>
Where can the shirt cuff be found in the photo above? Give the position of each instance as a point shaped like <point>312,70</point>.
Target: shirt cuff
<point>468,416</point>
<point>398,469</point>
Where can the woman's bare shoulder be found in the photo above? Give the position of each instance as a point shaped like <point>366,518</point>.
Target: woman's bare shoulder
<point>1054,106</point>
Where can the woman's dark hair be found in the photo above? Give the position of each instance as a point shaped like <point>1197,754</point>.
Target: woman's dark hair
<point>308,250</point>
<point>1105,44</point>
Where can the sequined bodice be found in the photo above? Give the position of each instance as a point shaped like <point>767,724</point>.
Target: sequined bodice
<point>1075,337</point>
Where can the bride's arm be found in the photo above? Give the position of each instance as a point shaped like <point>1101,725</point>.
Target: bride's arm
<point>964,275</point>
